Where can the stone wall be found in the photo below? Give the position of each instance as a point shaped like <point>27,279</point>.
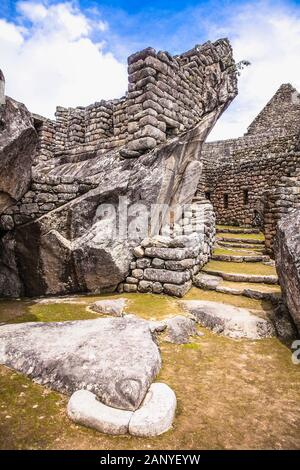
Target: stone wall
<point>254,180</point>
<point>167,264</point>
<point>236,186</point>
<point>2,88</point>
<point>54,237</point>
<point>282,113</point>
<point>166,96</point>
<point>42,197</point>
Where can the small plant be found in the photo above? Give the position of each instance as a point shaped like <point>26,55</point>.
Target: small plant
<point>239,66</point>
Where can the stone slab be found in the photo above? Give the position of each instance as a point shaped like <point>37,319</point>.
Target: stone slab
<point>115,358</point>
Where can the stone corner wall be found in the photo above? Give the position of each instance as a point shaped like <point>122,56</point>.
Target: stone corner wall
<point>167,264</point>
<point>2,88</point>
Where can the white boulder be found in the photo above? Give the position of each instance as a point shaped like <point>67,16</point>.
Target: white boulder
<point>85,409</point>
<point>156,414</point>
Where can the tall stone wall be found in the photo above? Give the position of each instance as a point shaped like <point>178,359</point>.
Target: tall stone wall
<point>166,96</point>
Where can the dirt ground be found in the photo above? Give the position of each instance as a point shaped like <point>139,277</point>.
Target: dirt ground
<point>232,394</point>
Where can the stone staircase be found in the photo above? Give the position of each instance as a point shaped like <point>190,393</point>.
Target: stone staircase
<point>240,266</point>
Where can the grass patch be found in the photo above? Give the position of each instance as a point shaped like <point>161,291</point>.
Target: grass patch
<point>224,251</point>
<point>241,268</point>
<point>241,236</point>
<point>237,300</point>
<point>261,287</point>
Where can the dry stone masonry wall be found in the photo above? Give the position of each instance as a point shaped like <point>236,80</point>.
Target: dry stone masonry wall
<point>254,180</point>
<point>166,95</point>
<point>167,264</point>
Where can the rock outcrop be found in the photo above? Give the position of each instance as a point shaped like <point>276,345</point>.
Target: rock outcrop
<point>114,358</point>
<point>229,320</point>
<point>287,257</point>
<point>18,140</point>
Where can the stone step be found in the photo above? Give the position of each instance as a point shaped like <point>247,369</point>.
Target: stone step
<point>241,258</point>
<point>243,246</point>
<point>232,239</point>
<point>242,272</point>
<point>229,229</point>
<point>258,291</point>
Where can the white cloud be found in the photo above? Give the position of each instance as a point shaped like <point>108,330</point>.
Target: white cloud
<point>267,34</point>
<point>54,61</point>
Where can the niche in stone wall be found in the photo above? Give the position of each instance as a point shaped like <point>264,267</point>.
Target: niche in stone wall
<point>226,201</point>
<point>246,197</point>
<point>171,131</point>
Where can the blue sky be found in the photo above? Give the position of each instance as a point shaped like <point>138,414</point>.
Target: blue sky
<point>74,52</point>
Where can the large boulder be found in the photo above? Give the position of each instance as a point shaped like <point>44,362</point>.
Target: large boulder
<point>287,257</point>
<point>18,140</point>
<point>114,358</point>
<point>79,247</point>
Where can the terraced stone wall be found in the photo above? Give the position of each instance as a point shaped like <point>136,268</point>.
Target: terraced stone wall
<point>252,184</point>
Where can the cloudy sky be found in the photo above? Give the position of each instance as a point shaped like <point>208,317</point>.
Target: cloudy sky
<point>73,53</point>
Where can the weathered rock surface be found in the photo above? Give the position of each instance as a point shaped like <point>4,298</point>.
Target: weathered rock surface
<point>179,329</point>
<point>207,281</point>
<point>115,358</point>
<point>114,307</point>
<point>287,256</point>
<point>85,409</point>
<point>18,140</point>
<point>228,320</point>
<point>156,414</point>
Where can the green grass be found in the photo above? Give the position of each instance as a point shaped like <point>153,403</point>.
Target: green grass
<point>240,268</point>
<point>242,236</point>
<point>260,287</point>
<point>224,251</point>
<point>237,300</point>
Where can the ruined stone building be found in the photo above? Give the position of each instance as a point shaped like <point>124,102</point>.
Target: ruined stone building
<point>148,147</point>
<point>255,179</point>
